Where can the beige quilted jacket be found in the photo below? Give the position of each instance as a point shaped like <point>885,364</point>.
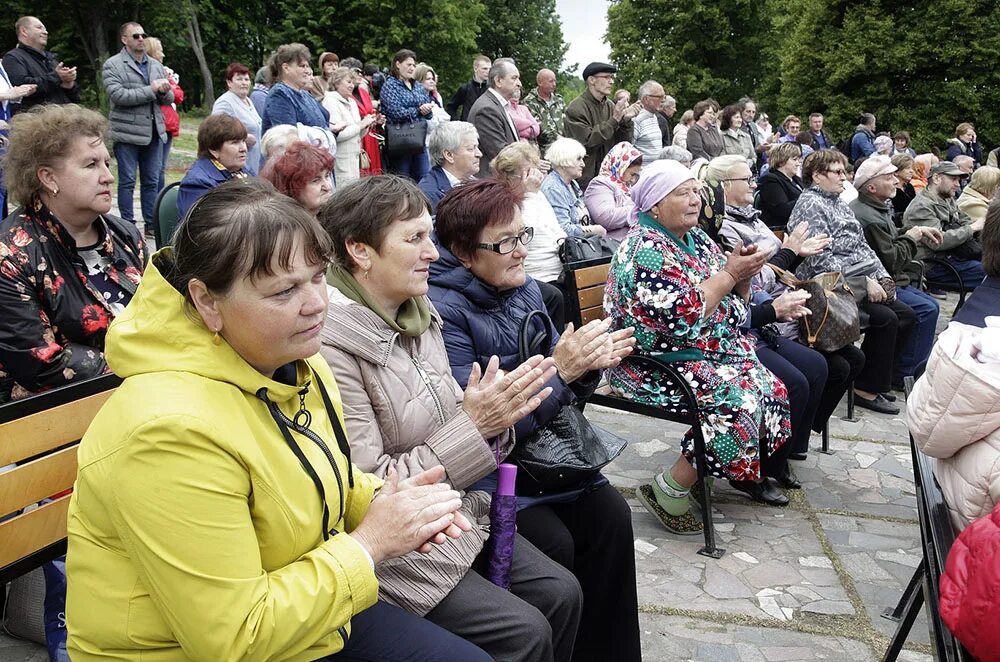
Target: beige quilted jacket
<point>954,416</point>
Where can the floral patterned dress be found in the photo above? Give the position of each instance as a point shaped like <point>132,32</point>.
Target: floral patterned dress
<point>57,299</point>
<point>654,286</point>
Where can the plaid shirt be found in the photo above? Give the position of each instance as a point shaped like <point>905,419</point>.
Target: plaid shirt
<point>549,114</point>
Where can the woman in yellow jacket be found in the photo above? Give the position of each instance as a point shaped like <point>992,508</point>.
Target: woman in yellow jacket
<point>216,514</point>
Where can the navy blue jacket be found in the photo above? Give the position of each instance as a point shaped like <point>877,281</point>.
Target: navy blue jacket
<point>435,185</point>
<point>480,321</point>
<point>983,302</point>
<point>199,180</point>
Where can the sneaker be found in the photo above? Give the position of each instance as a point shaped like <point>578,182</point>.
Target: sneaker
<point>936,293</point>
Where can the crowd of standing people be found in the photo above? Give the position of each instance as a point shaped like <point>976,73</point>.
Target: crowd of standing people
<point>327,474</point>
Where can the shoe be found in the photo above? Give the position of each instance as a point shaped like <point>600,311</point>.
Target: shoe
<point>797,456</point>
<point>936,293</point>
<point>788,480</point>
<point>762,492</point>
<point>683,525</point>
<point>878,404</point>
<point>148,232</point>
<point>888,395</point>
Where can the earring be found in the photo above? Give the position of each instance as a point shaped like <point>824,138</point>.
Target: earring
<point>55,191</point>
<point>367,273</point>
<point>216,339</point>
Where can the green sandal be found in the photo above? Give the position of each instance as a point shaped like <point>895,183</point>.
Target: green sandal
<point>683,525</point>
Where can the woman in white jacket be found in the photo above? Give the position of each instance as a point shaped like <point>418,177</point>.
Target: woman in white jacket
<point>954,410</point>
<point>345,115</point>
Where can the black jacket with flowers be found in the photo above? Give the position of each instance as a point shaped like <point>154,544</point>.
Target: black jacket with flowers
<point>52,320</point>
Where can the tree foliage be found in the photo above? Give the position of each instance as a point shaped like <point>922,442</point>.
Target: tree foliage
<point>919,65</point>
<point>444,33</point>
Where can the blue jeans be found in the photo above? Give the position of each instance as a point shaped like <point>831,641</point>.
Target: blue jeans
<point>921,340</point>
<point>971,272</point>
<point>149,160</point>
<point>385,632</point>
<point>162,183</point>
<point>414,166</point>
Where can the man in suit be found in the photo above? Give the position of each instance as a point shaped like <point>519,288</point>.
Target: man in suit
<point>137,86</point>
<point>490,112</point>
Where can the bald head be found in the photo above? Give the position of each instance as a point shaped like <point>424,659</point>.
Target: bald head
<point>31,32</point>
<point>546,82</point>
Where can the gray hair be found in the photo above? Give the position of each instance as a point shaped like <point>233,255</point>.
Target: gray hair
<point>277,139</point>
<point>502,66</point>
<point>448,137</point>
<point>564,152</point>
<point>647,88</point>
<point>669,101</point>
<point>676,153</point>
<point>963,159</point>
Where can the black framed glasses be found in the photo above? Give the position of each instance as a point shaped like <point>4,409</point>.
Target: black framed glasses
<point>139,35</point>
<point>507,246</point>
<point>751,180</point>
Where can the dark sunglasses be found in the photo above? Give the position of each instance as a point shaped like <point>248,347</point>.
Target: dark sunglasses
<point>139,35</point>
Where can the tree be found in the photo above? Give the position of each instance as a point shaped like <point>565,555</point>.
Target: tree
<point>696,49</point>
<point>198,47</point>
<point>534,39</point>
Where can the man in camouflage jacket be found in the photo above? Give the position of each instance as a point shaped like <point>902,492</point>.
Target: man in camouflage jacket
<point>548,106</point>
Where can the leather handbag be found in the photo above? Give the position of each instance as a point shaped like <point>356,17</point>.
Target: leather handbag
<point>568,449</point>
<point>590,247</point>
<point>408,137</point>
<point>834,320</point>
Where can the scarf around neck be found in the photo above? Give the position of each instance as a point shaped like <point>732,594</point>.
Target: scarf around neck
<point>412,319</point>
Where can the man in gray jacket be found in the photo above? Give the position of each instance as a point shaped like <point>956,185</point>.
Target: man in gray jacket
<point>137,86</point>
<point>935,207</point>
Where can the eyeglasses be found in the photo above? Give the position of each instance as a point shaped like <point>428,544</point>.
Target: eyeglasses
<point>751,180</point>
<point>605,76</point>
<point>507,246</point>
<point>139,35</point>
<point>837,173</point>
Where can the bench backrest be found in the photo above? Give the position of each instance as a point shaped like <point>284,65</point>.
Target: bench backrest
<point>41,435</point>
<point>584,283</point>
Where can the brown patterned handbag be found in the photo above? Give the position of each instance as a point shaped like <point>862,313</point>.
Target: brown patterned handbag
<point>834,322</point>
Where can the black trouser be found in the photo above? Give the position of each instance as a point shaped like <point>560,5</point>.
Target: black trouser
<point>555,302</point>
<point>803,372</point>
<point>842,367</point>
<point>592,536</point>
<point>889,328</point>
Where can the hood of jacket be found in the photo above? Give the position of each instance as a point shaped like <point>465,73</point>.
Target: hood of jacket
<point>861,128</point>
<point>158,332</point>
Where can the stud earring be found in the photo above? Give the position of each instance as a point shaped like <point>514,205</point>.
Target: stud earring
<point>55,191</point>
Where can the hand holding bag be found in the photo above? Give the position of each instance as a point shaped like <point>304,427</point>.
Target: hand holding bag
<point>568,449</point>
<point>834,320</point>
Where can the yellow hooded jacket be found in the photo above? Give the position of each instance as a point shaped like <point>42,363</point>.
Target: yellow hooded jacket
<point>195,531</point>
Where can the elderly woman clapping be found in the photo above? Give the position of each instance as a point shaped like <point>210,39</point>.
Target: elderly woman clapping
<point>480,288</point>
<point>405,412</point>
<point>607,197</point>
<point>686,300</point>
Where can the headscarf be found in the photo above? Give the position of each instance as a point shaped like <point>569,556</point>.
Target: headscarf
<point>617,161</point>
<point>656,182</point>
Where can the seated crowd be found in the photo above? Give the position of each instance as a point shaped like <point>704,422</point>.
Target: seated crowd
<point>325,366</point>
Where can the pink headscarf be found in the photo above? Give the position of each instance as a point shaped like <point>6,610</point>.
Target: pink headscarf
<point>656,182</point>
<point>617,161</point>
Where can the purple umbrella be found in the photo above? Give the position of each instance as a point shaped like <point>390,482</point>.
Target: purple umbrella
<point>503,526</point>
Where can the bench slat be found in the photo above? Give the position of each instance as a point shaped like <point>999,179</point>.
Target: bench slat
<point>591,314</point>
<point>37,480</point>
<point>590,276</point>
<point>30,532</point>
<point>35,434</point>
<point>592,296</point>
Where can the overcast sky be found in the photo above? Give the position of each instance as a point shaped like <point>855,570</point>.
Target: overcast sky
<point>583,24</point>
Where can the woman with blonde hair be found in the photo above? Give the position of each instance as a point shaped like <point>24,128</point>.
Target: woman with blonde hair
<point>681,129</point>
<point>976,197</point>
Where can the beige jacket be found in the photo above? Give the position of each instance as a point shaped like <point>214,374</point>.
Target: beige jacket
<point>954,416</point>
<point>403,409</point>
<point>973,203</point>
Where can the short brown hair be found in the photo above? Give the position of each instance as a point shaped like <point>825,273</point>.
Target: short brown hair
<point>508,162</point>
<point>241,228</point>
<point>216,130</point>
<point>964,127</point>
<point>790,118</point>
<point>363,210</point>
<point>236,69</point>
<point>402,55</point>
<point>902,161</point>
<point>286,54</point>
<point>726,118</point>
<point>42,137</point>
<point>781,153</point>
<point>819,162</point>
<point>903,135</point>
<point>990,239</point>
<point>123,28</point>
<point>465,211</point>
<point>702,106</point>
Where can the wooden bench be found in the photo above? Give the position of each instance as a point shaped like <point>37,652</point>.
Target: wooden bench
<point>41,435</point>
<point>585,282</point>
<point>936,537</point>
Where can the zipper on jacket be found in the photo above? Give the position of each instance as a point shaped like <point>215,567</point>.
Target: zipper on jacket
<point>434,395</point>
<point>342,630</point>
<point>315,438</point>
